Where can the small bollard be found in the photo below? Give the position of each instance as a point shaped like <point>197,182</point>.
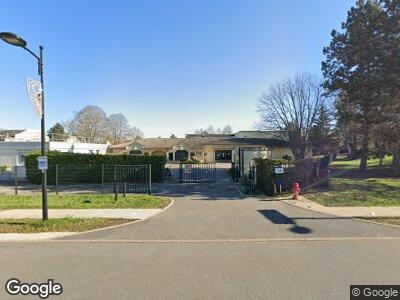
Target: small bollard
<point>116,193</point>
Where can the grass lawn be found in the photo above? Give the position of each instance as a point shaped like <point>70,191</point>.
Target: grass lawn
<point>84,201</point>
<point>344,164</point>
<point>392,221</point>
<point>358,192</point>
<point>56,225</point>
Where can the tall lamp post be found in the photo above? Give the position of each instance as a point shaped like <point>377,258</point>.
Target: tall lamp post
<point>16,40</point>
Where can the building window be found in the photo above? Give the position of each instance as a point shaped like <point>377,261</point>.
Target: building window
<point>191,154</point>
<point>21,158</point>
<point>223,155</point>
<point>170,156</point>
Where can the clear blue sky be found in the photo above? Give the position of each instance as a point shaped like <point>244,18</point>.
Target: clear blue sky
<point>169,66</point>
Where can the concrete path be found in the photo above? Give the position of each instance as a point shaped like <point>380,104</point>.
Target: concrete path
<point>355,211</point>
<point>33,236</point>
<point>137,214</point>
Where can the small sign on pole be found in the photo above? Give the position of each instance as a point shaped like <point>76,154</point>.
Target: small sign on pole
<point>188,168</point>
<point>42,163</point>
<point>279,170</point>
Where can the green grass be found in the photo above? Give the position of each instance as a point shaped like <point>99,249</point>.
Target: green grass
<point>344,164</point>
<point>56,225</point>
<point>84,201</point>
<point>358,192</point>
<point>384,220</point>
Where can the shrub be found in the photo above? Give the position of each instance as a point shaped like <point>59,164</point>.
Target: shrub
<point>86,168</point>
<point>301,171</point>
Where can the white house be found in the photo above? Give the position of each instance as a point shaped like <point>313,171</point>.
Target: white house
<point>15,144</point>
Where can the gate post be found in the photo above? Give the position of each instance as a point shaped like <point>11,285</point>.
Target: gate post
<point>16,180</point>
<point>180,172</point>
<point>57,179</point>
<point>102,178</point>
<point>149,179</point>
<point>115,181</point>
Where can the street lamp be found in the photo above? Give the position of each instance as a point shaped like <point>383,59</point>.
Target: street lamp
<point>16,40</point>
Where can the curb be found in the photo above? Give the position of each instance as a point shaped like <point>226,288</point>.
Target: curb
<point>125,224</point>
<point>377,223</point>
<point>357,218</point>
<point>68,234</point>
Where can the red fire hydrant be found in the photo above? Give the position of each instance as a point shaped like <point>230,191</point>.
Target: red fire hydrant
<point>296,190</point>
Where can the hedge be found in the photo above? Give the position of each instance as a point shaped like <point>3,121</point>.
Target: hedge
<point>87,168</point>
<point>301,171</point>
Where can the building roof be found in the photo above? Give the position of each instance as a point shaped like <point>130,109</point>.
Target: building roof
<point>11,131</point>
<point>198,142</point>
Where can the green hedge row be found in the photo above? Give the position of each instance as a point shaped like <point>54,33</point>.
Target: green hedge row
<point>300,171</point>
<point>87,168</point>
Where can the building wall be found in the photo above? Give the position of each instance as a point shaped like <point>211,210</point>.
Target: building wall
<point>280,152</point>
<point>76,147</point>
<point>250,155</point>
<point>12,153</point>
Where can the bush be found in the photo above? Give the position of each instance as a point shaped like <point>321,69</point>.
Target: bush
<point>191,160</point>
<point>86,168</point>
<point>301,171</point>
<point>265,173</point>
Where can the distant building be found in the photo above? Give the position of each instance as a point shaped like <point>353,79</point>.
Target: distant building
<point>241,147</point>
<point>15,144</point>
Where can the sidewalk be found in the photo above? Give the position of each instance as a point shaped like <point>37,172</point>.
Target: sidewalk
<point>137,214</point>
<point>350,212</point>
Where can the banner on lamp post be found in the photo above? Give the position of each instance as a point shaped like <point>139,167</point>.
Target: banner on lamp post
<point>35,95</point>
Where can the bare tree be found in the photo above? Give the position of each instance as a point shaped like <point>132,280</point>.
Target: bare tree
<point>291,107</point>
<point>119,129</point>
<point>227,129</point>
<point>212,130</point>
<point>89,124</point>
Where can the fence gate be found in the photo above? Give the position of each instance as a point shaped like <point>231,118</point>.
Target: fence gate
<point>197,173</point>
<point>133,179</point>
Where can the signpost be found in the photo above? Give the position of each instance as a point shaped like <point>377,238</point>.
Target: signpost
<point>279,180</point>
<point>42,163</point>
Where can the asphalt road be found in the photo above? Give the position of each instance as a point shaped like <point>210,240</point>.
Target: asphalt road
<point>212,244</point>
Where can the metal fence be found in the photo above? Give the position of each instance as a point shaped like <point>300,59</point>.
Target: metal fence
<point>79,179</point>
<point>190,173</point>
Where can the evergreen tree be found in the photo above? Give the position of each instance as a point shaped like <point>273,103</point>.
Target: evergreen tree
<point>353,68</point>
<point>57,132</point>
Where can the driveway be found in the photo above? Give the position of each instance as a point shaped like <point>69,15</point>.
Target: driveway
<point>213,245</point>
<point>216,211</point>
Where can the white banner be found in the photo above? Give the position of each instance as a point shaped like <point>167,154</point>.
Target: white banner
<point>35,95</point>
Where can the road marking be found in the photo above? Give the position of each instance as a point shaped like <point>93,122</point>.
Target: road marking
<point>211,241</point>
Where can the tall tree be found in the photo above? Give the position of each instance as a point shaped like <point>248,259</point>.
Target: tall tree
<point>119,129</point>
<point>321,133</point>
<point>353,70</point>
<point>391,73</point>
<point>291,107</point>
<point>90,124</point>
<point>57,132</point>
